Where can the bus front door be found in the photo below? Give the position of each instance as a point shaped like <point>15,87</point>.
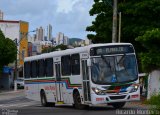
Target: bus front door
<point>59,84</point>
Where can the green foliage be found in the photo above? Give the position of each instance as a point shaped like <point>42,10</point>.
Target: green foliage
<point>150,40</point>
<point>61,47</point>
<point>51,49</point>
<point>138,16</point>
<point>48,49</point>
<point>102,24</point>
<point>8,50</point>
<point>155,105</point>
<point>151,59</point>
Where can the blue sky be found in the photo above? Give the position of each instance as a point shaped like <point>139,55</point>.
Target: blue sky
<point>68,16</point>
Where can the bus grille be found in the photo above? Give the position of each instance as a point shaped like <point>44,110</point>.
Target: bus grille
<point>117,97</point>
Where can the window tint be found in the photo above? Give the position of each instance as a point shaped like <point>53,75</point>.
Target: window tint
<point>75,61</point>
<point>34,69</point>
<point>27,69</point>
<point>49,67</point>
<point>41,65</point>
<point>66,66</point>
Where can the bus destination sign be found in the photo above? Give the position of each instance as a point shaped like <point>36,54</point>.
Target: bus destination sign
<point>111,50</point>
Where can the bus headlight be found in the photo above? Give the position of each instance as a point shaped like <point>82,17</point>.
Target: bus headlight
<point>98,91</point>
<point>134,88</point>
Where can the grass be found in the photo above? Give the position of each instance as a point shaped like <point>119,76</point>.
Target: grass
<point>154,101</point>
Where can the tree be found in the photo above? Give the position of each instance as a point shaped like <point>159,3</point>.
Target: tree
<point>102,24</point>
<point>138,16</point>
<point>8,51</point>
<point>151,58</point>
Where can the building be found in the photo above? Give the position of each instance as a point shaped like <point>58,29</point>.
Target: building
<point>40,34</point>
<point>87,41</point>
<point>66,40</point>
<point>49,32</point>
<point>61,39</point>
<point>1,15</point>
<point>17,30</point>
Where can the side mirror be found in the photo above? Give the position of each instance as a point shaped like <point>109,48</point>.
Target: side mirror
<point>88,62</point>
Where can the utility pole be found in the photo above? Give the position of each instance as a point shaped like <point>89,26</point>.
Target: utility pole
<point>16,60</point>
<point>114,27</point>
<point>119,33</point>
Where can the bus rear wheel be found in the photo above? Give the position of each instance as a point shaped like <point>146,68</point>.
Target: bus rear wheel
<point>77,101</point>
<point>118,105</point>
<point>43,99</point>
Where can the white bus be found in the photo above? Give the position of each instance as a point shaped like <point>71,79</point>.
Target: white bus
<point>98,74</point>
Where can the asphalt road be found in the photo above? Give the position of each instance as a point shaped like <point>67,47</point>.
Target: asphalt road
<point>17,104</point>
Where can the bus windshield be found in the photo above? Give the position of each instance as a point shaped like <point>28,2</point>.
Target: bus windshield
<point>114,69</point>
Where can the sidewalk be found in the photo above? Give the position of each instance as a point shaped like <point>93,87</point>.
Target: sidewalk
<point>138,104</point>
<point>4,92</point>
<point>11,94</point>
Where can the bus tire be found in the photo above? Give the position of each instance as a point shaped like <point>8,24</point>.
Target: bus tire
<point>77,101</point>
<point>118,105</point>
<point>44,99</point>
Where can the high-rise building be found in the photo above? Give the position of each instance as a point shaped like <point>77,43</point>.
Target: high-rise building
<point>60,38</point>
<point>66,40</point>
<point>39,34</point>
<point>49,32</point>
<point>1,15</point>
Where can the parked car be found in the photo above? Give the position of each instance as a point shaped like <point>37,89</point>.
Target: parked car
<point>20,83</point>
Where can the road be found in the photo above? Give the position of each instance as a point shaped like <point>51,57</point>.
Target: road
<point>17,104</point>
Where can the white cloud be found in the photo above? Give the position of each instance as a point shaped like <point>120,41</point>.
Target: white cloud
<point>65,5</point>
<point>68,16</point>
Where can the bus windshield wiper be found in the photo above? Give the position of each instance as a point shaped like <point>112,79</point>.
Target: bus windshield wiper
<point>104,59</point>
<point>121,59</point>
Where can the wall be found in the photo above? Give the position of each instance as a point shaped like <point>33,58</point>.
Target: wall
<point>6,81</point>
<point>153,83</point>
<point>10,29</point>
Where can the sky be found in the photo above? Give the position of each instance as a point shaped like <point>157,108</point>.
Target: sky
<point>70,17</point>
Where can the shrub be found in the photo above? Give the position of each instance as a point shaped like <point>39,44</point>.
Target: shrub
<point>154,101</point>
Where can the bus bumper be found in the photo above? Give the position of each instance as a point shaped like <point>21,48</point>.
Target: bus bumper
<point>110,98</point>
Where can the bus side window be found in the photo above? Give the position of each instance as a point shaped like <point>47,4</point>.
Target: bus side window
<point>66,65</point>
<point>41,65</point>
<point>49,67</point>
<point>75,63</point>
<point>27,70</point>
<point>34,69</point>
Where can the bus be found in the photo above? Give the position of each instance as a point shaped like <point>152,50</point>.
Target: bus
<point>98,74</point>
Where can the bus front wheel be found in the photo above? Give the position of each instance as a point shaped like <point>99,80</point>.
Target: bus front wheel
<point>118,105</point>
<point>77,101</point>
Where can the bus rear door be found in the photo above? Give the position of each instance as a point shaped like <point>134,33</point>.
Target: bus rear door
<point>59,84</point>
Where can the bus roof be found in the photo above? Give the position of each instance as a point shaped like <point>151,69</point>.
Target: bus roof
<point>70,51</point>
